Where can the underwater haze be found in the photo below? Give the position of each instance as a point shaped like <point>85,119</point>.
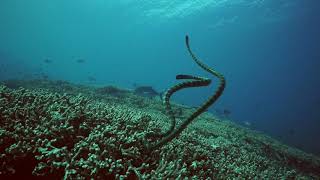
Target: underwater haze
<point>268,50</point>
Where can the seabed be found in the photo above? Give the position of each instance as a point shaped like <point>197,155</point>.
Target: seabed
<point>60,130</point>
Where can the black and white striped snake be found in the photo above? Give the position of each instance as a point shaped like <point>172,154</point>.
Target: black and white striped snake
<point>191,81</point>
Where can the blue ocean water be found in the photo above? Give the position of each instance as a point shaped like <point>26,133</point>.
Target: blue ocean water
<point>268,50</point>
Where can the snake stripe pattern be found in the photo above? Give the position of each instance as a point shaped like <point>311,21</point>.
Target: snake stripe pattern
<point>191,81</point>
<point>198,81</point>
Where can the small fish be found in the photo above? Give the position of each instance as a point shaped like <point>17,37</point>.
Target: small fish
<point>226,112</point>
<point>80,60</point>
<point>223,112</point>
<point>47,60</point>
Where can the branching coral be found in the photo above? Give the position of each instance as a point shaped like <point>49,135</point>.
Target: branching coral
<point>193,81</point>
<point>72,137</point>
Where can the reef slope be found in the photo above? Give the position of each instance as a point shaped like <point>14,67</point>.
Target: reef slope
<point>56,129</point>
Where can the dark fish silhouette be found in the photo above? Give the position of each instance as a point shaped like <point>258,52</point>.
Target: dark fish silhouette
<point>226,112</point>
<point>223,112</point>
<point>47,60</point>
<point>80,60</point>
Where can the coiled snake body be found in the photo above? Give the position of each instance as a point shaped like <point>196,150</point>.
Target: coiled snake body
<point>191,81</point>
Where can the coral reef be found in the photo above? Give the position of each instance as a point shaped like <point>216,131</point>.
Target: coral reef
<point>66,136</point>
<point>70,137</point>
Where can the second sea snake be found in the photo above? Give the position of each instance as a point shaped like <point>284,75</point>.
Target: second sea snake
<point>191,81</point>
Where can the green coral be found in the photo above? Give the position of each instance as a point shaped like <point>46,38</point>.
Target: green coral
<point>101,140</point>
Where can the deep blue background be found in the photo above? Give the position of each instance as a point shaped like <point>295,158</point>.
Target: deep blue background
<point>269,52</point>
